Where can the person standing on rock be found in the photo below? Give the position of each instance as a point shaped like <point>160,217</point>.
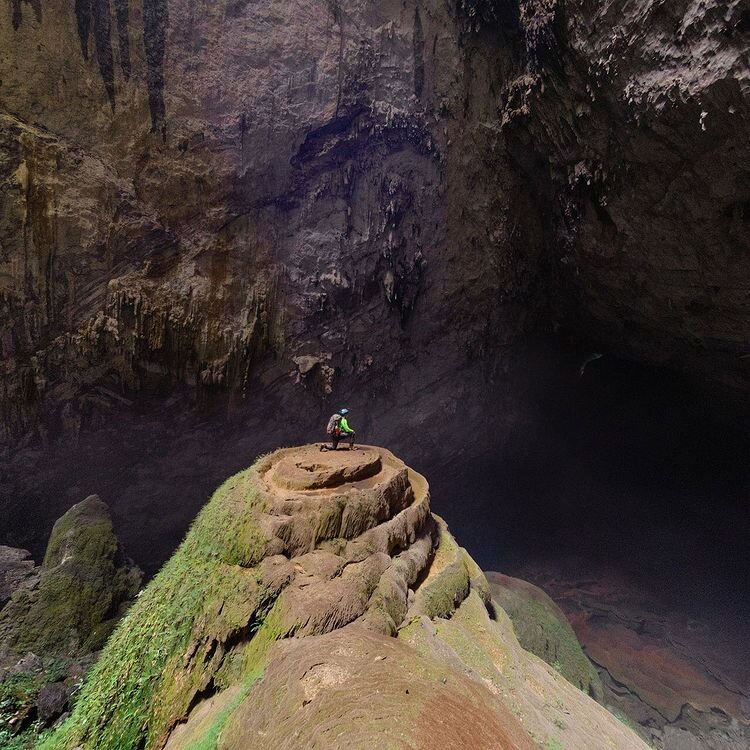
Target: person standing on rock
<point>338,428</point>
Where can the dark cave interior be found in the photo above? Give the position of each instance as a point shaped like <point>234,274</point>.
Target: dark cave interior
<point>625,466</point>
<point>631,468</point>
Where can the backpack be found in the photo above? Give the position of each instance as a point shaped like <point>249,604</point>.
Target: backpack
<point>333,424</point>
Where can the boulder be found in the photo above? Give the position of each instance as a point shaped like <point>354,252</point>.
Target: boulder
<point>29,664</point>
<point>52,702</point>
<point>83,583</point>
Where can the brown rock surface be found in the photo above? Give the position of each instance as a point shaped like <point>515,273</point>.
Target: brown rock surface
<point>334,613</point>
<point>684,680</point>
<point>357,689</point>
<point>17,569</point>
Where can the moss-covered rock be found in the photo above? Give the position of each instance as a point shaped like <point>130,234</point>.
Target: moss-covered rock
<point>449,579</point>
<point>273,626</point>
<point>170,646</point>
<point>84,582</point>
<point>542,628</point>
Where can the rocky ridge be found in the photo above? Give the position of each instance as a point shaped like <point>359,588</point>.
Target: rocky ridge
<point>319,586</point>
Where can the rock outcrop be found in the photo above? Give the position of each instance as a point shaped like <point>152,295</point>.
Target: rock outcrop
<point>316,601</point>
<point>17,570</point>
<point>542,628</point>
<point>79,592</point>
<point>55,617</point>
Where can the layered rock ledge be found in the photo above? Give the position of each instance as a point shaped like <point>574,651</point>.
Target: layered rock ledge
<point>317,602</point>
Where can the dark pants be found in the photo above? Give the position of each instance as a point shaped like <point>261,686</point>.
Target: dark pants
<point>343,436</point>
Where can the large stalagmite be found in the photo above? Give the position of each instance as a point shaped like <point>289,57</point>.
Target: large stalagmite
<point>317,602</point>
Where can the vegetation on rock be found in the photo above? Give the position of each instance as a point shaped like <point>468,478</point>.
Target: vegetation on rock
<point>57,617</point>
<point>273,623</point>
<point>160,656</point>
<point>85,579</point>
<point>543,629</point>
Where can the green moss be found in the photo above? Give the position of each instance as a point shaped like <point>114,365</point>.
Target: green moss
<point>23,741</point>
<point>85,532</point>
<point>210,740</point>
<point>462,634</point>
<point>17,693</point>
<point>83,582</point>
<point>246,668</point>
<point>161,654</point>
<point>476,576</point>
<point>17,689</point>
<point>544,630</point>
<point>442,592</point>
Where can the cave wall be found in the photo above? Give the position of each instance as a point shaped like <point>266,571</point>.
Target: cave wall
<point>636,113</point>
<point>219,219</point>
<point>257,210</point>
<point>190,186</point>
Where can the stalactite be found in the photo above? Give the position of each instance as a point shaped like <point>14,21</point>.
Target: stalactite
<point>122,15</point>
<point>102,24</point>
<point>17,12</point>
<point>418,50</point>
<point>83,19</point>
<point>93,16</point>
<point>155,19</point>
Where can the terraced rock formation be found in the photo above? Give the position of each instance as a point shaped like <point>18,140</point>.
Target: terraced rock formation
<point>317,602</point>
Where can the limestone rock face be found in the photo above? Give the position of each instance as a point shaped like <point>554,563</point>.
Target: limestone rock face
<point>174,234</point>
<point>222,212</point>
<point>77,596</point>
<point>355,689</point>
<point>317,600</point>
<point>542,628</point>
<point>633,111</point>
<point>17,569</point>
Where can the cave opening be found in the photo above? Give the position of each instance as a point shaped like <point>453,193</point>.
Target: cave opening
<point>627,468</point>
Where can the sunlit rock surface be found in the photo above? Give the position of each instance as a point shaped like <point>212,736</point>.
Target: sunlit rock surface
<point>316,600</point>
